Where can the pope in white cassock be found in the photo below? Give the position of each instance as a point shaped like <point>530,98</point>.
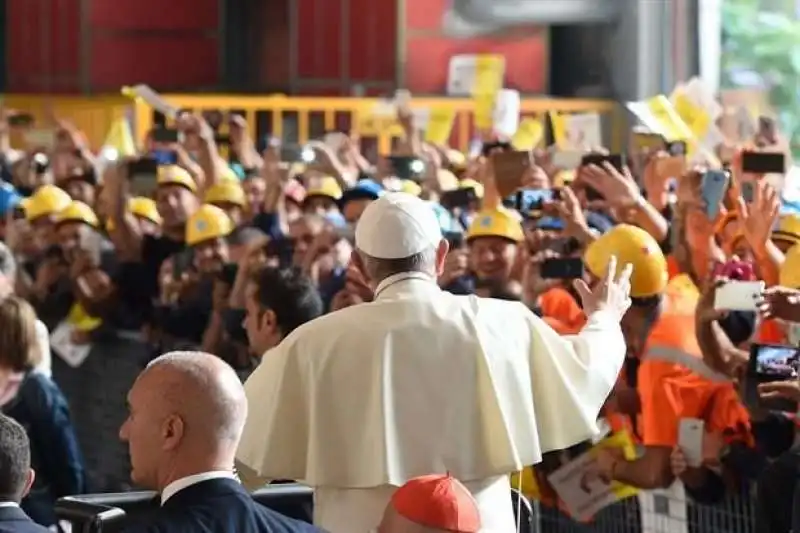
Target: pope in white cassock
<point>420,381</point>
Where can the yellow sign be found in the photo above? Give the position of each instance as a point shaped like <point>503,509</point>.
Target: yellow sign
<point>529,134</point>
<point>672,126</point>
<point>440,124</point>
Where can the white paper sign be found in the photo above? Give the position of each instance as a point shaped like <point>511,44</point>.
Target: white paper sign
<point>506,112</point>
<point>154,100</point>
<point>61,343</point>
<point>461,75</point>
<point>583,130</point>
<point>581,489</point>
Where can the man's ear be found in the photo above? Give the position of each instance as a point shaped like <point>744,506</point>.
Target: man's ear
<point>28,483</point>
<point>357,262</point>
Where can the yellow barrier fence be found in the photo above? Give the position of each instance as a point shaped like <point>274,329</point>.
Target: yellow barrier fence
<point>297,119</point>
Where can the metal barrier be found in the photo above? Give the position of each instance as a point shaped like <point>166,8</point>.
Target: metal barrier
<point>295,119</point>
<point>91,512</point>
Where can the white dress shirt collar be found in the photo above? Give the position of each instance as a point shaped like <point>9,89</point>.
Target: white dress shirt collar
<point>180,484</point>
<point>8,504</point>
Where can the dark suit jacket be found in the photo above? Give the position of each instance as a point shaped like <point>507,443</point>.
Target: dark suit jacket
<point>14,520</point>
<point>217,506</point>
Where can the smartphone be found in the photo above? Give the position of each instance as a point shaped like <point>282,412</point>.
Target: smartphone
<point>406,167</point>
<point>562,268</point>
<point>165,135</point>
<point>509,169</point>
<point>713,186</point>
<point>771,362</point>
<point>763,163</point>
<point>164,157</point>
<point>92,242</point>
<point>528,200</point>
<point>182,262</point>
<point>748,191</point>
<point>488,148</point>
<point>738,295</point>
<point>20,120</point>
<point>690,440</point>
<point>615,160</point>
<point>458,198</point>
<point>676,148</point>
<point>143,176</point>
<point>566,160</point>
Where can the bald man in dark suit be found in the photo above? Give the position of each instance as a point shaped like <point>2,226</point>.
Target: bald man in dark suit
<point>187,412</point>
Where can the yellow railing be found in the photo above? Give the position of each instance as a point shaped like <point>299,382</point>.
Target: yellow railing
<point>301,118</point>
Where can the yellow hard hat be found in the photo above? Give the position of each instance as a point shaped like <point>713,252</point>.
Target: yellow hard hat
<point>208,222</point>
<point>788,229</point>
<point>226,191</point>
<point>145,208</point>
<point>47,200</point>
<point>476,185</point>
<point>326,186</point>
<point>78,212</point>
<point>499,222</point>
<point>790,270</point>
<point>142,207</point>
<point>634,246</point>
<point>175,175</point>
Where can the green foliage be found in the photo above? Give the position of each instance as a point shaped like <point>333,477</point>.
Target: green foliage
<point>766,43</point>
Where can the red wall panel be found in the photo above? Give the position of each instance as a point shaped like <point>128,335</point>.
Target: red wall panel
<point>129,41</point>
<point>43,46</point>
<point>153,14</point>
<point>372,40</point>
<point>428,51</point>
<point>169,45</point>
<point>274,37</point>
<point>345,43</point>
<point>161,62</point>
<point>319,43</point>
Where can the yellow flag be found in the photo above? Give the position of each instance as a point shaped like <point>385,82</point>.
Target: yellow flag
<point>696,118</point>
<point>120,138</point>
<point>489,72</point>
<point>529,134</point>
<point>440,124</point>
<point>559,125</point>
<point>672,126</point>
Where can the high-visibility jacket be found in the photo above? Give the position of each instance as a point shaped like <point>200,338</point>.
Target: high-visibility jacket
<point>675,383</point>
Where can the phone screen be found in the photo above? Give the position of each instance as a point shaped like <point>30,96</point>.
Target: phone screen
<point>143,176</point>
<point>528,200</point>
<point>165,157</point>
<point>763,163</point>
<point>458,198</point>
<point>165,135</point>
<point>770,362</point>
<point>571,268</point>
<point>600,159</point>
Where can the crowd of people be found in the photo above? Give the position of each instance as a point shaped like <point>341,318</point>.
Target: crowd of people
<point>432,320</point>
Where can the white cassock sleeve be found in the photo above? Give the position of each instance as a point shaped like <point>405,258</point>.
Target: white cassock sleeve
<point>276,429</point>
<point>571,377</point>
